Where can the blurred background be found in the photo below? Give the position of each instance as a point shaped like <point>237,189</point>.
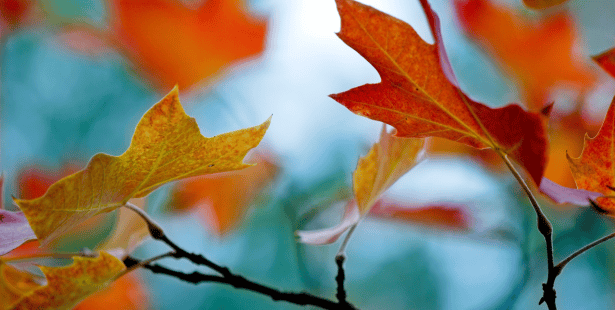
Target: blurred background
<point>456,232</point>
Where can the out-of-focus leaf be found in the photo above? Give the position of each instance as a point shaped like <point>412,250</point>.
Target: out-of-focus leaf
<point>418,93</point>
<point>539,55</point>
<point>593,170</point>
<point>387,161</point>
<point>12,12</point>
<point>175,44</point>
<point>34,181</point>
<point>126,293</point>
<point>14,230</point>
<point>129,232</point>
<point>444,216</point>
<point>607,61</point>
<point>562,194</point>
<point>66,286</point>
<point>542,4</point>
<point>222,199</point>
<point>166,146</point>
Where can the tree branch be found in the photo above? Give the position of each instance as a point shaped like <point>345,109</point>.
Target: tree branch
<point>240,282</point>
<point>546,229</point>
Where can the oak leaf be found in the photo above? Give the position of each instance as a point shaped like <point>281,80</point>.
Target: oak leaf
<point>593,169</point>
<point>387,160</point>
<point>542,4</point>
<point>67,286</point>
<point>173,43</point>
<point>539,55</point>
<point>166,146</point>
<point>222,199</point>
<point>418,93</point>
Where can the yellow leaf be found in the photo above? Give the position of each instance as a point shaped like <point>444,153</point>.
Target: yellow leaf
<point>166,146</point>
<point>386,162</point>
<point>66,286</point>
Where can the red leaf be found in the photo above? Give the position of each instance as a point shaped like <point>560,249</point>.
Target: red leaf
<point>445,216</point>
<point>418,96</point>
<point>607,61</point>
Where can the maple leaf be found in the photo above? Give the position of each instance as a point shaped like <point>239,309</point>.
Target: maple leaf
<point>387,160</point>
<point>418,94</point>
<point>176,44</point>
<point>166,146</point>
<point>66,286</point>
<point>593,169</point>
<point>539,55</point>
<point>222,199</point>
<point>542,4</point>
<point>606,60</point>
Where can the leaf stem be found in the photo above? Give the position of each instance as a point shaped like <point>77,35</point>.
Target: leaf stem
<point>545,228</point>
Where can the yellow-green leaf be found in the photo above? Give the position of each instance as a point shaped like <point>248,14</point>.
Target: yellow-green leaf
<point>166,146</point>
<point>67,286</point>
<point>386,162</point>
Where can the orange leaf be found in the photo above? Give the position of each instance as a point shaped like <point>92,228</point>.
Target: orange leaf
<point>126,293</point>
<point>66,286</point>
<point>418,96</point>
<point>542,4</point>
<point>175,44</point>
<point>594,169</point>
<point>607,61</point>
<point>539,55</point>
<point>440,216</point>
<point>222,199</point>
<point>166,146</point>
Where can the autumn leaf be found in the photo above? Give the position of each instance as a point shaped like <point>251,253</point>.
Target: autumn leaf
<point>66,286</point>
<point>606,60</point>
<point>14,230</point>
<point>15,284</point>
<point>387,160</point>
<point>129,232</point>
<point>126,293</point>
<point>418,94</point>
<point>166,146</point>
<point>538,55</point>
<point>222,199</point>
<point>176,44</point>
<point>542,4</point>
<point>593,170</point>
<point>442,215</point>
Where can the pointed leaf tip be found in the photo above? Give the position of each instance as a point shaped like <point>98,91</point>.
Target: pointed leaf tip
<point>418,94</point>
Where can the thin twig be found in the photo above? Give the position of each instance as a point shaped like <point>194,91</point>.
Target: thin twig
<point>342,250</point>
<point>240,282</point>
<point>580,251</point>
<point>545,228</point>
